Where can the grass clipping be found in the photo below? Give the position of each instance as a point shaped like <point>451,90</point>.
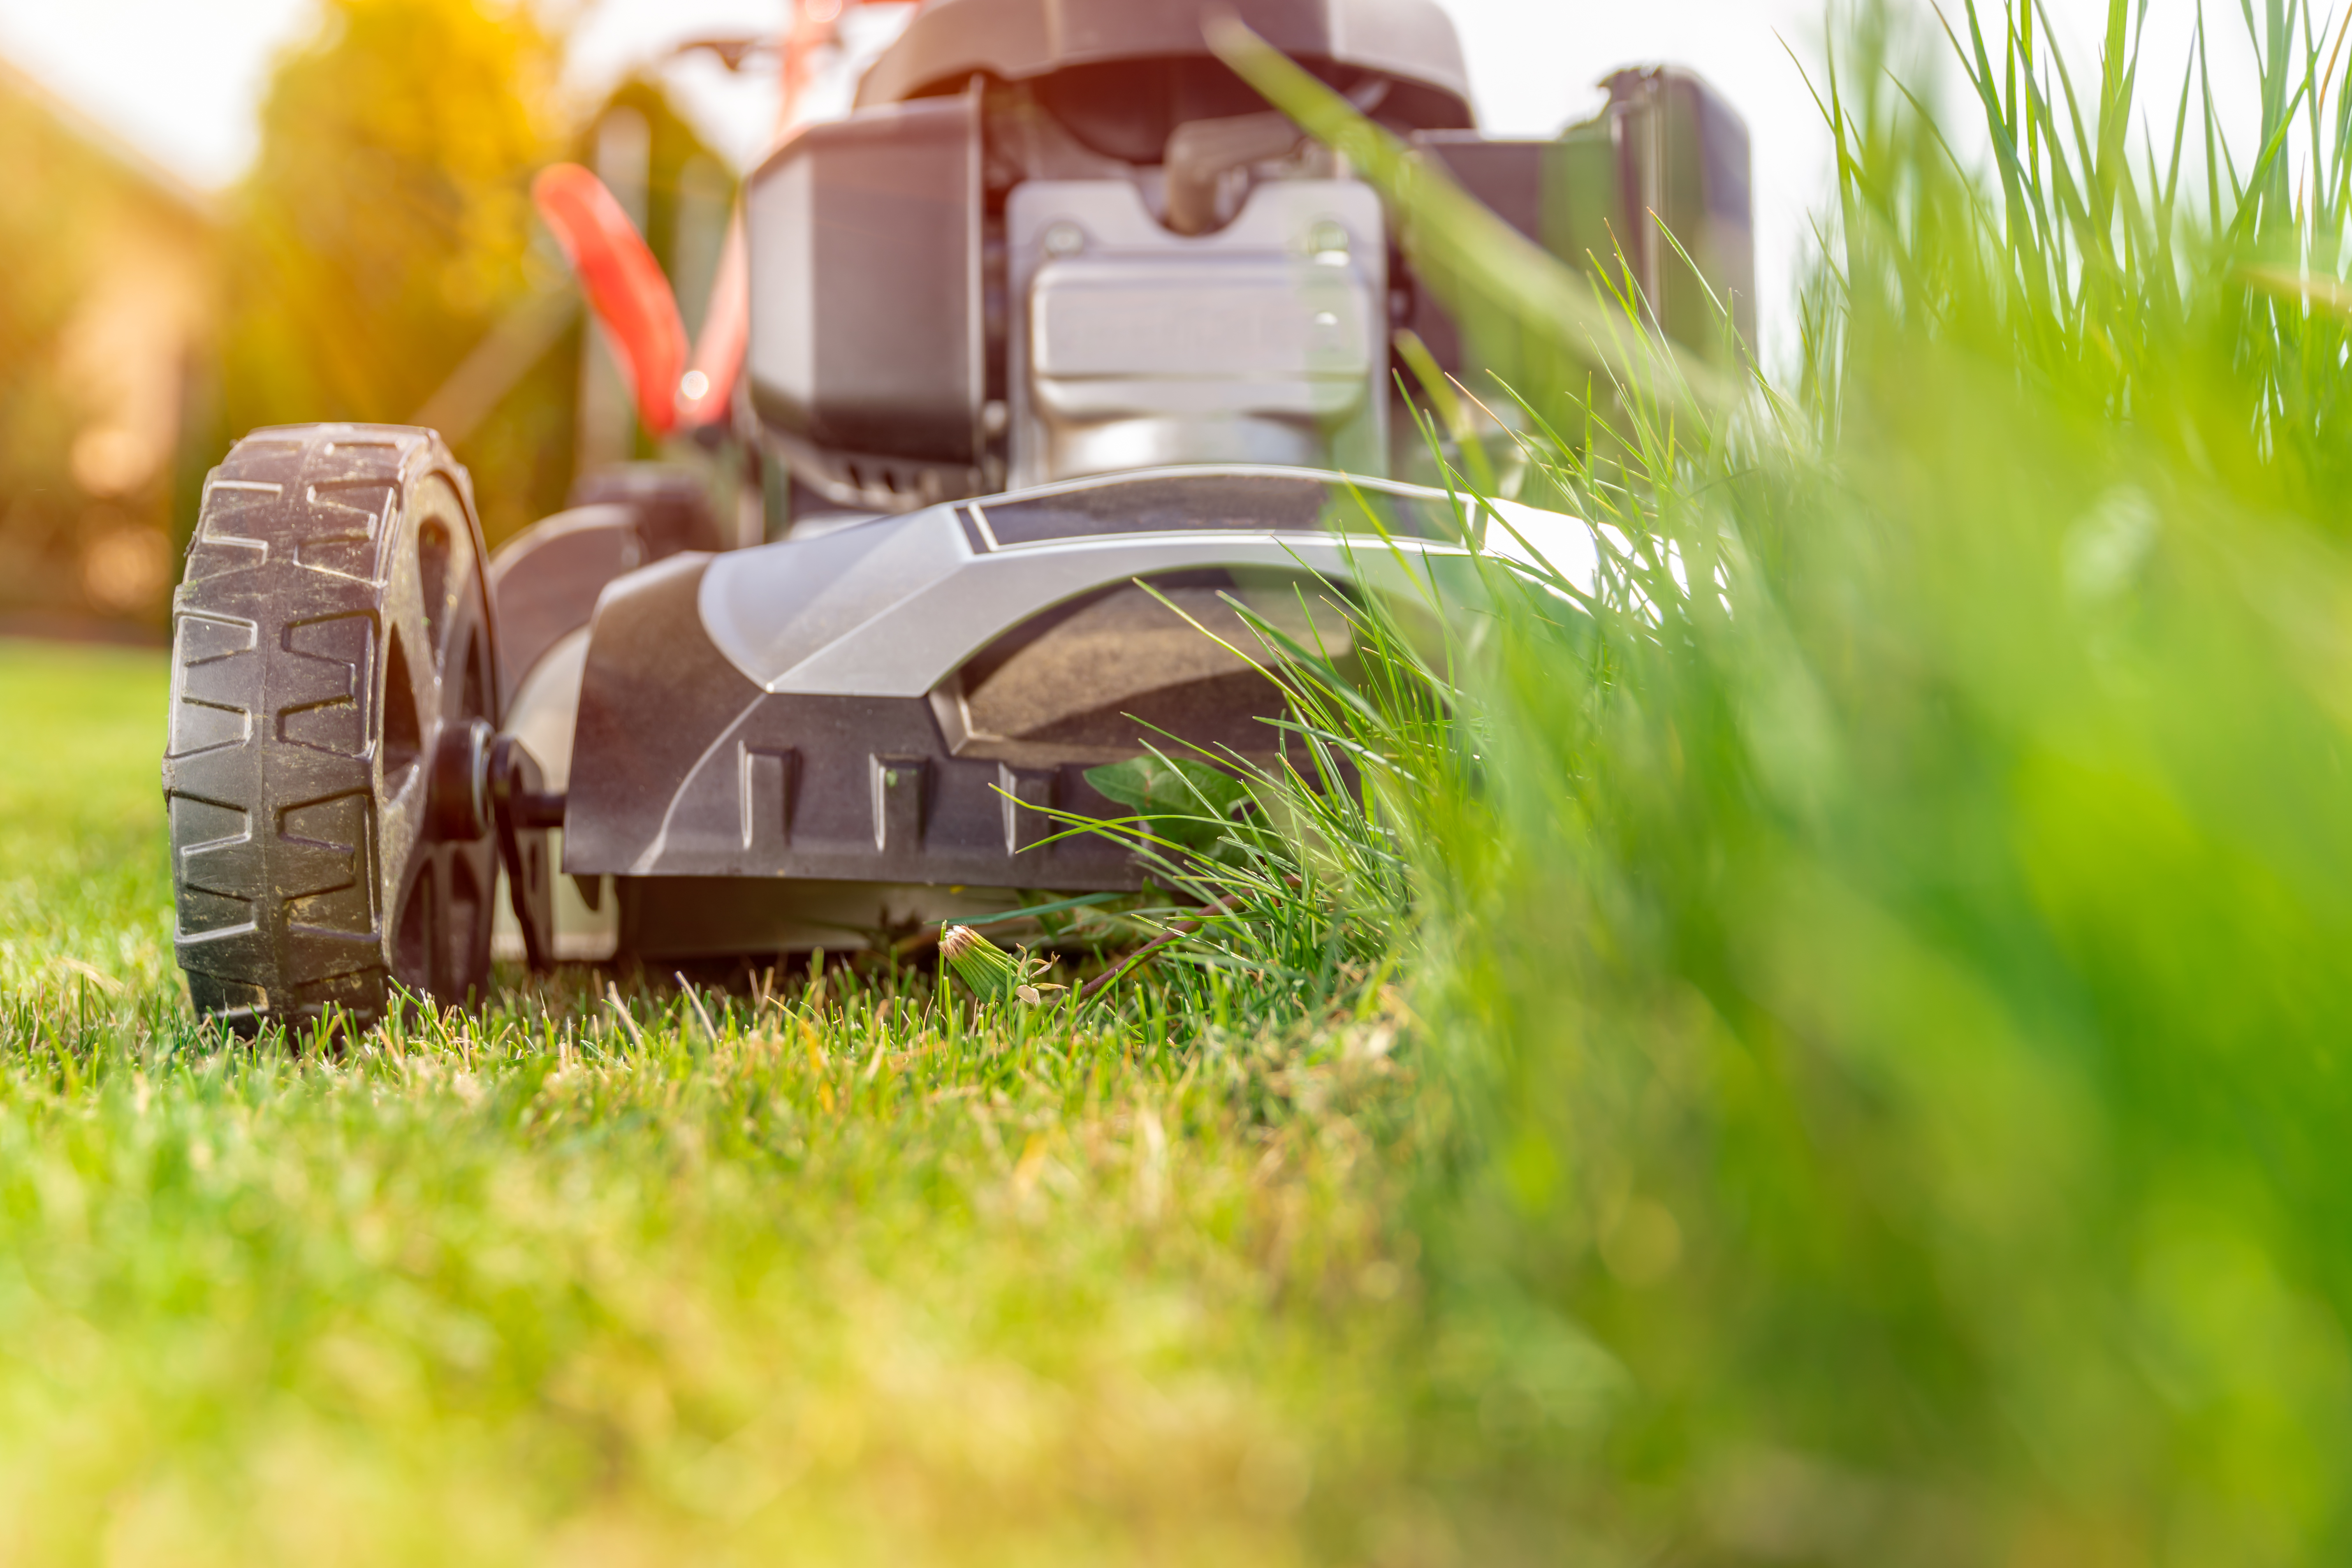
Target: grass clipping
<point>990,972</point>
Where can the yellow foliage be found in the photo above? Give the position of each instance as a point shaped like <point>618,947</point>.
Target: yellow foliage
<point>104,270</point>
<point>386,226</point>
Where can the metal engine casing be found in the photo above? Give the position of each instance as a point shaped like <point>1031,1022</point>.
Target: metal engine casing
<point>976,280</point>
<point>1264,341</point>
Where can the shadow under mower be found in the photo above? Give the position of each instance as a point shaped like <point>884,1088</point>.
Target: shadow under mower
<point>1083,344</point>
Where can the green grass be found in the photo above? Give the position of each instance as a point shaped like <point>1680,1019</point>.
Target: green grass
<point>1885,953</point>
<point>835,1281</point>
<point>1828,1048</point>
<point>84,874</point>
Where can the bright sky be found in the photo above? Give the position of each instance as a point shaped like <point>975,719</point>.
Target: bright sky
<point>180,78</point>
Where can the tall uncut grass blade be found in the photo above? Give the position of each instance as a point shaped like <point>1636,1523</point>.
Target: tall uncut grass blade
<point>1882,970</point>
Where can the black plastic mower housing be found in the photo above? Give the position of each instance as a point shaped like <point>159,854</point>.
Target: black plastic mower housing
<point>927,711</point>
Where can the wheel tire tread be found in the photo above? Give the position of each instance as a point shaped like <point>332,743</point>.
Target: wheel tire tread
<point>288,537</point>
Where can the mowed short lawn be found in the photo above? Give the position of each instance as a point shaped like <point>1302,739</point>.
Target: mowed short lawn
<point>723,1281</point>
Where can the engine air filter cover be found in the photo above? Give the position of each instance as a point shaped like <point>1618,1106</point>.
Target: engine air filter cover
<point>867,354</point>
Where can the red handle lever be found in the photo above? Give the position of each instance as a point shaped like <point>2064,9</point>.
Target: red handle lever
<point>726,332</point>
<point>624,284</point>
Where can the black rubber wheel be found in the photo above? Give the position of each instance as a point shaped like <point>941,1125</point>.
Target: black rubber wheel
<point>334,698</point>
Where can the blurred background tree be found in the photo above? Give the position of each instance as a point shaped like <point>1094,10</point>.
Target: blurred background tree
<point>106,282</point>
<point>380,260</point>
<point>386,229</point>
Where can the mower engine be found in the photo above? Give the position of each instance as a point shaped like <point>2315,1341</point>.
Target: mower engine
<point>1057,240</point>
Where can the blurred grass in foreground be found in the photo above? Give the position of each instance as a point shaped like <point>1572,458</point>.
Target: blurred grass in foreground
<point>1888,948</point>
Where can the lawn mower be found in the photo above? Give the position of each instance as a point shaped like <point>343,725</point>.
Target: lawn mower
<point>1084,350</point>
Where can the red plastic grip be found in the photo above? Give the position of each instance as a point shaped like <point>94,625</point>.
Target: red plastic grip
<point>726,331</point>
<point>624,284</point>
